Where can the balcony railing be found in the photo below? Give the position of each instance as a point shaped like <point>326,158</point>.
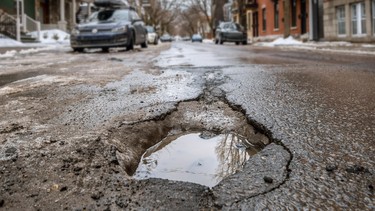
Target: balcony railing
<point>251,4</point>
<point>245,4</point>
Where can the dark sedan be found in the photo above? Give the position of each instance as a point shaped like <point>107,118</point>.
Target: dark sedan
<point>230,32</point>
<point>108,28</point>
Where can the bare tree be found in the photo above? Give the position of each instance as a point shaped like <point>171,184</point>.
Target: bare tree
<point>203,7</point>
<point>161,14</point>
<point>189,19</point>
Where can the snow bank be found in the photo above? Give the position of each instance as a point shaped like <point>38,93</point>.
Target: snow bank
<point>281,42</point>
<point>53,36</point>
<point>7,42</point>
<point>50,39</point>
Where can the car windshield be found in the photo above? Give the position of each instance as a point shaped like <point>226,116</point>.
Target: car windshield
<point>150,29</point>
<point>196,36</point>
<point>93,17</point>
<point>110,15</point>
<point>239,27</point>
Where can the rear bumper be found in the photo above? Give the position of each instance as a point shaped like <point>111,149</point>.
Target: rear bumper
<point>99,40</point>
<point>234,39</point>
<point>151,38</point>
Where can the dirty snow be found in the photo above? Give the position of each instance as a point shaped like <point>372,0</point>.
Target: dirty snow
<point>335,46</point>
<point>8,54</point>
<point>33,82</point>
<point>281,41</point>
<point>49,39</point>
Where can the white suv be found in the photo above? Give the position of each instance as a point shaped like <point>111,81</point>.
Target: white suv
<point>152,36</point>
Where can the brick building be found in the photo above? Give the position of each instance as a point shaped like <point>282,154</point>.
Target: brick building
<point>269,19</point>
<point>273,20</point>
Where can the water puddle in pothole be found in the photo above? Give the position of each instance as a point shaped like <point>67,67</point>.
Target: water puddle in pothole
<point>196,158</point>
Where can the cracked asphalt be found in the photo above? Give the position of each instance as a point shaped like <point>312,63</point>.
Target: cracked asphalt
<point>74,126</point>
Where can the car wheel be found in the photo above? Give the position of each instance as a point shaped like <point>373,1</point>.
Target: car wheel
<point>216,41</point>
<point>105,50</point>
<point>237,43</point>
<point>156,41</point>
<point>130,45</point>
<point>244,42</point>
<point>79,50</point>
<point>144,45</point>
<point>221,41</point>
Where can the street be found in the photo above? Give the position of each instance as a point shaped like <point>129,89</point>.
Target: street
<point>74,126</point>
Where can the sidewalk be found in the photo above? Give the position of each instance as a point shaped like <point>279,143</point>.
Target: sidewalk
<point>342,47</point>
<point>352,48</point>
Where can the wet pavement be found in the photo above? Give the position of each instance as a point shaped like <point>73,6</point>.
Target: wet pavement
<point>72,132</point>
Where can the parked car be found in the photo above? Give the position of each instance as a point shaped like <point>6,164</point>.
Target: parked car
<point>152,36</point>
<point>196,38</point>
<point>111,26</point>
<point>186,38</point>
<point>166,38</point>
<point>230,32</point>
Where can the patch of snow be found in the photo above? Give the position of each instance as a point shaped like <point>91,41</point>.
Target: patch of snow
<point>7,42</point>
<point>208,41</point>
<point>8,54</point>
<point>368,46</point>
<point>281,42</point>
<point>53,36</point>
<point>331,44</point>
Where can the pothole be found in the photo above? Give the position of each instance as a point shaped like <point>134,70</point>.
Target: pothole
<point>175,148</point>
<point>202,158</point>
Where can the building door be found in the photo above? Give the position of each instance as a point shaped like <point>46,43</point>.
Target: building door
<point>303,16</point>
<point>44,11</point>
<point>255,24</point>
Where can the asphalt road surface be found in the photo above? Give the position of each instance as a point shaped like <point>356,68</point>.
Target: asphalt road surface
<point>73,127</point>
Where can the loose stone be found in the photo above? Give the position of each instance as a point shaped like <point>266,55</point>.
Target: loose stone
<point>268,179</point>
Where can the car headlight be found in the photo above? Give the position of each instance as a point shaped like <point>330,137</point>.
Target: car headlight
<point>120,29</point>
<point>75,32</point>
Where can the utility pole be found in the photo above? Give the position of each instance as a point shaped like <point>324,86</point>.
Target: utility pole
<point>315,20</point>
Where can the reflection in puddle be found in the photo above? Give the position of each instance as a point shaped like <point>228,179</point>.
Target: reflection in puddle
<point>193,159</point>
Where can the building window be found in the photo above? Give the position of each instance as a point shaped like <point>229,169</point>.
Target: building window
<point>358,18</point>
<point>293,3</point>
<point>276,14</point>
<point>264,24</point>
<point>340,11</point>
